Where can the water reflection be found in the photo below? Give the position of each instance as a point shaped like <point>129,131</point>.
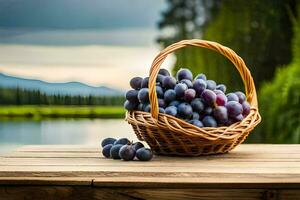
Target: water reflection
<point>14,134</point>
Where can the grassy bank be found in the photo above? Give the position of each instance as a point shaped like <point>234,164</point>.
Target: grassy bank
<point>41,112</point>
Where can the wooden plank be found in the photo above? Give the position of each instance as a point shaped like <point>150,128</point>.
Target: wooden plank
<point>86,193</point>
<point>208,180</point>
<point>283,148</point>
<point>161,194</point>
<point>58,148</point>
<point>46,193</point>
<point>134,179</point>
<point>243,155</point>
<point>16,193</point>
<point>236,162</point>
<point>45,154</point>
<point>288,194</point>
<point>47,180</point>
<point>177,169</point>
<point>248,165</point>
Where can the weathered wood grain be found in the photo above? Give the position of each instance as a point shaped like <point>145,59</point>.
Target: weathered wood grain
<point>80,172</point>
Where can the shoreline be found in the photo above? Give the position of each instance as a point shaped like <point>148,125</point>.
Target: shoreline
<point>37,112</point>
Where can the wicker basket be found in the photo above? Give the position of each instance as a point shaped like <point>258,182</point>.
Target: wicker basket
<point>168,135</point>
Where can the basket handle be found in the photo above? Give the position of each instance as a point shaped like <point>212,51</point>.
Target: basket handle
<point>227,52</point>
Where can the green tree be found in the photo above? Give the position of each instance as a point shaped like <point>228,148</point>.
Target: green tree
<point>280,100</point>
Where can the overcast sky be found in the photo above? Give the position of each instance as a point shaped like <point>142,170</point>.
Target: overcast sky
<point>80,14</point>
<point>98,42</point>
<point>79,22</point>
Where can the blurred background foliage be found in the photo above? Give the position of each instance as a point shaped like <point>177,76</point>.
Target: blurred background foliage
<point>265,34</point>
<point>280,99</point>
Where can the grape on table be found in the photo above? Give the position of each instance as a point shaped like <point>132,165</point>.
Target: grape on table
<point>123,149</point>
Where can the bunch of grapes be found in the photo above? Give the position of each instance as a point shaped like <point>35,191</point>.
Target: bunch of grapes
<point>125,150</point>
<point>198,101</point>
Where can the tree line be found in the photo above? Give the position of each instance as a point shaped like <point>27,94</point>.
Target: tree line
<point>19,96</point>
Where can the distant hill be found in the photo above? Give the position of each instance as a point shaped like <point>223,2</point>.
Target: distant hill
<point>69,88</point>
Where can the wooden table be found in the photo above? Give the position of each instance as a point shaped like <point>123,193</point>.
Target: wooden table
<point>80,172</point>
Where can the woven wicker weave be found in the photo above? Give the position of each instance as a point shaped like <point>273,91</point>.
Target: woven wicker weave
<point>168,135</point>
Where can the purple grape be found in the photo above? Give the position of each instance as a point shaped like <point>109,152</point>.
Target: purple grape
<point>170,95</point>
<point>137,145</point>
<point>189,95</point>
<point>185,110</point>
<point>221,87</point>
<point>196,116</point>
<point>174,103</point>
<point>211,85</point>
<point>180,88</point>
<point>201,76</point>
<point>122,141</point>
<point>208,110</point>
<point>128,105</point>
<point>209,121</point>
<point>196,122</point>
<point>169,82</point>
<point>188,83</point>
<point>209,97</point>
<point>221,99</point>
<point>229,122</point>
<point>161,110</point>
<point>218,92</point>
<point>234,108</point>
<point>144,154</point>
<point>197,105</point>
<point>145,82</point>
<point>143,95</point>
<point>171,110</point>
<point>136,83</point>
<point>220,114</point>
<point>127,152</point>
<point>107,141</point>
<point>160,78</point>
<point>159,92</point>
<point>238,118</point>
<point>246,108</point>
<point>140,107</point>
<point>114,151</point>
<point>147,108</point>
<point>106,150</point>
<point>201,116</point>
<point>184,74</point>
<point>241,96</point>
<point>161,103</point>
<point>232,97</point>
<point>199,86</point>
<point>164,72</point>
<point>131,95</point>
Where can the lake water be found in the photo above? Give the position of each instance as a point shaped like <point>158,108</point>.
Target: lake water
<point>14,134</point>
